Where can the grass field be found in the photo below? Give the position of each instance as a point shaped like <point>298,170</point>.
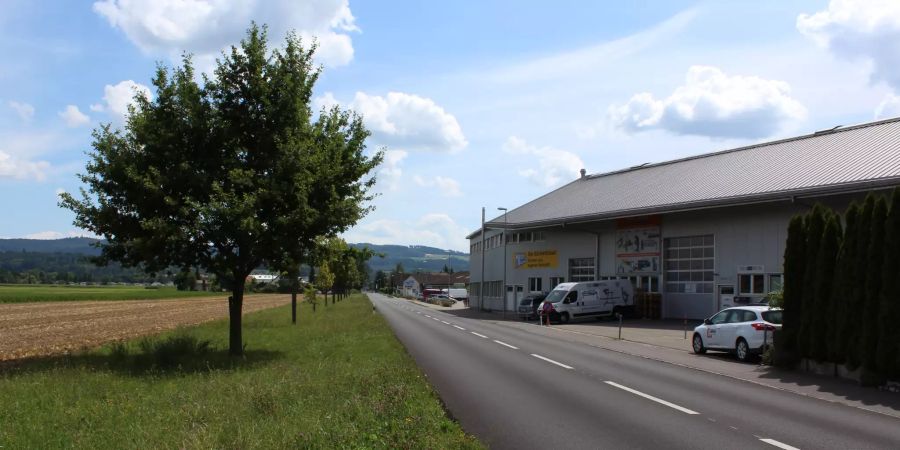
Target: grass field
<point>19,293</point>
<point>338,379</point>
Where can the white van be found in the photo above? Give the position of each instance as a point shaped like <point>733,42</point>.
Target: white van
<point>456,293</point>
<point>590,299</point>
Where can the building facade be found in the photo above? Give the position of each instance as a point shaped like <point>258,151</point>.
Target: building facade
<point>705,232</point>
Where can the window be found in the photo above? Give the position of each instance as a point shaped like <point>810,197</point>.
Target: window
<point>512,238</point>
<point>581,269</point>
<point>556,281</point>
<point>689,263</point>
<point>538,236</point>
<point>751,283</point>
<point>775,282</point>
<point>534,285</point>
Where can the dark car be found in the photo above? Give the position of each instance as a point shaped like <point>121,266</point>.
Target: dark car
<point>529,304</point>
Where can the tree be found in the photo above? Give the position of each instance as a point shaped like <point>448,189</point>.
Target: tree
<point>870,309</point>
<point>861,262</point>
<point>815,225</point>
<point>398,269</point>
<point>845,279</point>
<point>325,281</point>
<point>886,353</point>
<point>380,280</point>
<point>821,334</point>
<point>226,175</point>
<point>794,264</point>
<point>185,280</point>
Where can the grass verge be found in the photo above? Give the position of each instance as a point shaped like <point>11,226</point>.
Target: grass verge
<point>338,379</point>
<point>21,293</point>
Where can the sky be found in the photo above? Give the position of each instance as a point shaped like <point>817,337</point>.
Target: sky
<point>475,104</point>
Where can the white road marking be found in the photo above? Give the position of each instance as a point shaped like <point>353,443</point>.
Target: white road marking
<point>426,315</point>
<point>445,322</point>
<point>457,326</point>
<point>650,397</point>
<point>552,361</point>
<point>506,345</point>
<point>435,318</point>
<point>779,444</point>
<point>479,335</point>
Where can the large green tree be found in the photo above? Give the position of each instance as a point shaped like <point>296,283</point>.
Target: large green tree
<point>794,266</point>
<point>888,347</point>
<point>859,291</point>
<point>227,174</point>
<point>815,226</point>
<point>821,334</point>
<point>870,310</point>
<point>843,301</point>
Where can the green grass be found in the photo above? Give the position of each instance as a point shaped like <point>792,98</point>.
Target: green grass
<point>338,379</point>
<point>19,293</point>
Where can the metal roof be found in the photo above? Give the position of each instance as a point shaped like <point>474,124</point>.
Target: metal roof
<point>833,161</point>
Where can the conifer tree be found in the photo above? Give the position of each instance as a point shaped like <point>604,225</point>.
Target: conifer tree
<point>822,329</point>
<point>861,268</point>
<point>875,256</point>
<point>886,351</point>
<point>843,304</point>
<point>794,264</point>
<point>815,225</point>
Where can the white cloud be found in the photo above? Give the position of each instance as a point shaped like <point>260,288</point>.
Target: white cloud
<point>554,166</point>
<point>434,230</point>
<point>24,110</point>
<point>405,121</point>
<point>889,107</point>
<point>117,98</point>
<point>390,173</point>
<point>712,103</point>
<point>205,27</point>
<point>73,117</point>
<point>20,169</point>
<point>446,185</point>
<point>860,29</point>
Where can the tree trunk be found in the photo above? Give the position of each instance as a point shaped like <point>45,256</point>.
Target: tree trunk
<point>235,304</point>
<point>294,301</point>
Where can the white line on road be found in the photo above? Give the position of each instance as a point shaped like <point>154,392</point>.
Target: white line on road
<point>457,326</point>
<point>779,444</point>
<point>426,315</point>
<point>479,335</point>
<point>445,322</point>
<point>506,345</point>
<point>552,361</point>
<point>650,397</point>
<point>435,318</point>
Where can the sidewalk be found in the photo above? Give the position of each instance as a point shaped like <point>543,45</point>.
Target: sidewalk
<point>663,340</point>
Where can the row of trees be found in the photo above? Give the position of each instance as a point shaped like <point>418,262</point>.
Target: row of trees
<point>842,286</point>
<point>229,173</point>
<point>18,267</point>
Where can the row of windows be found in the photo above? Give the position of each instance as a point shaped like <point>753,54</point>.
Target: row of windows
<point>581,269</point>
<point>525,236</point>
<point>756,283</point>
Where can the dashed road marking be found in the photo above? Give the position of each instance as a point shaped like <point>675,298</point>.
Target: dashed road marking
<point>552,361</point>
<point>445,322</point>
<point>479,335</point>
<point>457,326</point>
<point>779,444</point>
<point>506,345</point>
<point>650,397</point>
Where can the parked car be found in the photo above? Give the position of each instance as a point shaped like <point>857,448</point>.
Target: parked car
<point>528,306</point>
<point>598,299</point>
<point>744,330</point>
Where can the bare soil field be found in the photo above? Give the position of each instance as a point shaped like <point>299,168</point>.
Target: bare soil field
<point>51,328</point>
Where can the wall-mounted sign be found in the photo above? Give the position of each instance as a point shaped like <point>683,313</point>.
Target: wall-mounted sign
<point>537,259</point>
<point>638,246</point>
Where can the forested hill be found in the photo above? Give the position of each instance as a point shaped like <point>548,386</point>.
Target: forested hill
<point>68,256</point>
<point>416,257</point>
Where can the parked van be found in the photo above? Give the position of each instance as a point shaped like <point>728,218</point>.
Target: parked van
<point>456,293</point>
<point>590,299</point>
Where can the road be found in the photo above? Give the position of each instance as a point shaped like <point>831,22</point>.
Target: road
<point>516,389</point>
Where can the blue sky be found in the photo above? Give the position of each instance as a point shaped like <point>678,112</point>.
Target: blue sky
<point>476,103</point>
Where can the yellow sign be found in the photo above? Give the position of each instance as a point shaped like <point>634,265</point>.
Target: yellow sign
<point>539,259</point>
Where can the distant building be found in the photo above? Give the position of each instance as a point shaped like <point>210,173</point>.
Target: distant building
<point>262,278</point>
<point>411,284</point>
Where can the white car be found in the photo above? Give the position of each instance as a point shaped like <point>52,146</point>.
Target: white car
<point>744,330</point>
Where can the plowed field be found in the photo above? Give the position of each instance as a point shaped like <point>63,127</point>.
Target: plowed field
<point>39,329</point>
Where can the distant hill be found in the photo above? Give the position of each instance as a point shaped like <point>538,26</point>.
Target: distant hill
<point>412,257</point>
<point>78,245</point>
<point>415,257</point>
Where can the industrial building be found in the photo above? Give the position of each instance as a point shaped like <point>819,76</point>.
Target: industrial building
<point>706,232</point>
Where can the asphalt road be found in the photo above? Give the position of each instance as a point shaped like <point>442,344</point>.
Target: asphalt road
<point>515,389</point>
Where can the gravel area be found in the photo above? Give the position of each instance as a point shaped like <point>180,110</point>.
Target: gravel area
<point>51,328</point>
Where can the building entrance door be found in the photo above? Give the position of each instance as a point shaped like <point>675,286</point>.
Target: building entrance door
<point>726,296</point>
<point>514,292</point>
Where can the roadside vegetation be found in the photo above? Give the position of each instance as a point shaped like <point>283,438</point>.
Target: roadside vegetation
<point>339,380</point>
<point>842,275</point>
<point>49,293</point>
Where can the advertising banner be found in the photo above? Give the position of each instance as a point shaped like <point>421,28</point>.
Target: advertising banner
<point>538,259</point>
<point>638,247</point>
